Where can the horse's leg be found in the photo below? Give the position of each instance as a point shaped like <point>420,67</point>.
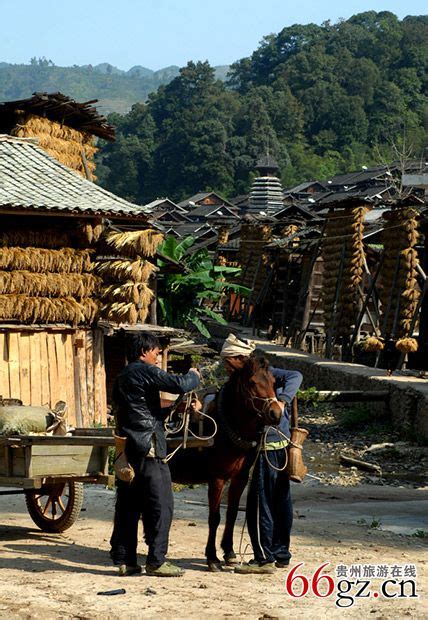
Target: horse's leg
<point>236,488</point>
<point>215,490</point>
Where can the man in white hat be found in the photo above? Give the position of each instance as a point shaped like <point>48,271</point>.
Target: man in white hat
<point>269,509</point>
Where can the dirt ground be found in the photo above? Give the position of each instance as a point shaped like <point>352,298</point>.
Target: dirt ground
<point>59,576</point>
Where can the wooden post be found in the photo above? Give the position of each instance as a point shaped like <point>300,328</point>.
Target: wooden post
<point>14,378</point>
<point>153,306</point>
<point>89,362</point>
<point>100,388</point>
<point>330,332</point>
<point>24,367</point>
<point>35,369</point>
<point>4,366</point>
<point>370,292</point>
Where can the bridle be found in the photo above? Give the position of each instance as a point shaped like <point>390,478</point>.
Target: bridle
<point>266,403</point>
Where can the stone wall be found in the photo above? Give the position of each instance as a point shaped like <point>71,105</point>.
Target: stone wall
<point>408,400</point>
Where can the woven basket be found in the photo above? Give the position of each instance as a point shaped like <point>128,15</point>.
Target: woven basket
<point>296,468</point>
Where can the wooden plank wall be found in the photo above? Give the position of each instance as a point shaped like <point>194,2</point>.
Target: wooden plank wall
<point>41,368</point>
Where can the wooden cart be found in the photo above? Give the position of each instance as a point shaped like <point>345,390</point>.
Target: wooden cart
<point>50,472</point>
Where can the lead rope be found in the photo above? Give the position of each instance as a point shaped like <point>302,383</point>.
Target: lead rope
<point>262,446</point>
<point>284,437</point>
<point>250,477</point>
<point>185,424</point>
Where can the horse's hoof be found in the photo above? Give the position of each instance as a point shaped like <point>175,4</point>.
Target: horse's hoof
<point>215,567</point>
<point>230,559</point>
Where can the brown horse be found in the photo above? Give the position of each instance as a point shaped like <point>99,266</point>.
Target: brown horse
<point>242,408</point>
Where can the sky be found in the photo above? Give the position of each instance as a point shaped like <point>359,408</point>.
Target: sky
<point>159,33</point>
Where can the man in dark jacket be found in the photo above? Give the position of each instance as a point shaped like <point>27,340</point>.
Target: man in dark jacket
<point>140,419</point>
<point>269,510</point>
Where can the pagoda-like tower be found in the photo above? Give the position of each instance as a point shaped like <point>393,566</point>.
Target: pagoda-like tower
<point>266,192</point>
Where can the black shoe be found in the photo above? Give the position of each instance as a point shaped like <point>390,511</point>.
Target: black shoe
<point>282,563</point>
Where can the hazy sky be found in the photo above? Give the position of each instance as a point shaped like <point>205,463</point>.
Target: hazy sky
<point>158,33</point>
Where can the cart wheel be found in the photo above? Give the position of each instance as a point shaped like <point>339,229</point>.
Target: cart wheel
<point>55,507</point>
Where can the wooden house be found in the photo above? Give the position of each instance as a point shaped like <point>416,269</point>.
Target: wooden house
<point>62,267</point>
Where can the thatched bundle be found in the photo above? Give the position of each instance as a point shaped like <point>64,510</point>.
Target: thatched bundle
<point>372,343</point>
<point>66,260</point>
<point>126,296</point>
<point>252,255</point>
<point>407,345</point>
<point>129,292</point>
<point>135,243</point>
<point>138,270</point>
<point>48,284</point>
<point>399,291</point>
<point>91,231</point>
<point>26,309</point>
<point>343,240</point>
<point>223,235</point>
<point>69,146</point>
<point>47,238</point>
<point>120,312</point>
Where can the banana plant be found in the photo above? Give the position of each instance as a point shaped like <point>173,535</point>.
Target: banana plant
<point>191,297</point>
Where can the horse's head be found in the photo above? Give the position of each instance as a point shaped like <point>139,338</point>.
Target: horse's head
<point>255,384</point>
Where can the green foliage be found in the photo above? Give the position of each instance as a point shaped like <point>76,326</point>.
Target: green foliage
<point>310,396</point>
<point>356,416</point>
<point>188,299</point>
<point>375,523</point>
<point>323,100</point>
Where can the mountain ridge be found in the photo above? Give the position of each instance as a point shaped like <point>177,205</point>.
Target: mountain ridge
<point>116,89</point>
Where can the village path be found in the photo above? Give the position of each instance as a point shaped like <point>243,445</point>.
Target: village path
<point>52,576</point>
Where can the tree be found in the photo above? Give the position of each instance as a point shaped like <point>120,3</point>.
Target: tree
<point>188,299</point>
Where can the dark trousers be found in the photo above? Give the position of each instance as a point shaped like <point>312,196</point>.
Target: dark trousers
<point>148,496</point>
<point>269,509</point>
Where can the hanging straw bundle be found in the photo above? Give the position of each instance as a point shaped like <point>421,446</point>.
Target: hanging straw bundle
<point>69,146</point>
<point>66,260</point>
<point>90,231</point>
<point>120,312</point>
<point>135,243</point>
<point>252,255</point>
<point>48,238</point>
<point>343,240</point>
<point>138,270</point>
<point>130,292</point>
<point>372,343</point>
<point>27,309</point>
<point>48,284</point>
<point>399,292</point>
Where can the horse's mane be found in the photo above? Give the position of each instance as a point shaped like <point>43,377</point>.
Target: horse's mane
<point>239,379</point>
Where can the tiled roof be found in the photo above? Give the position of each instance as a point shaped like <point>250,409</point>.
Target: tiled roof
<point>32,179</point>
<point>208,210</point>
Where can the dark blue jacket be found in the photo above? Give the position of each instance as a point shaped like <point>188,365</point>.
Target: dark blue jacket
<point>137,405</point>
<point>287,383</point>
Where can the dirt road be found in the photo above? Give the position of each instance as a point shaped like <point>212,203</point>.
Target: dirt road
<point>51,576</point>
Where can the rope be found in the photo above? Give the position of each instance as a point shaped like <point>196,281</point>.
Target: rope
<point>262,446</point>
<point>250,477</point>
<point>281,434</point>
<point>184,423</point>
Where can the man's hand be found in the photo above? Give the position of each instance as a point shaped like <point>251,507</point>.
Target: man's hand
<point>195,370</point>
<point>195,405</point>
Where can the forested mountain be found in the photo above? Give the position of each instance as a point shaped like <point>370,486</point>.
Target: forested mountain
<point>322,99</point>
<point>116,90</point>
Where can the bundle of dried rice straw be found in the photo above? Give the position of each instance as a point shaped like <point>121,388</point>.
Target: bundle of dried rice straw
<point>138,270</point>
<point>135,243</point>
<point>49,284</point>
<point>47,310</point>
<point>66,260</point>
